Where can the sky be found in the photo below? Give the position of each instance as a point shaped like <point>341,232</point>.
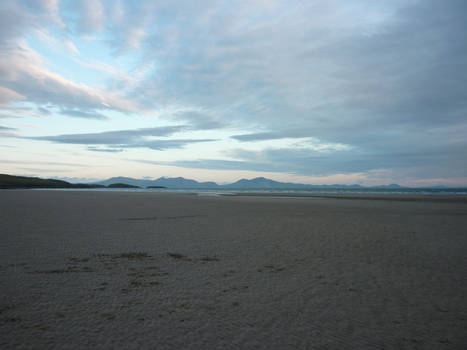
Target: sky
<point>320,92</point>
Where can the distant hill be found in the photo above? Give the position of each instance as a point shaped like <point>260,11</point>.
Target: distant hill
<point>180,182</point>
<point>11,181</point>
<point>260,182</point>
<point>391,186</point>
<point>263,183</point>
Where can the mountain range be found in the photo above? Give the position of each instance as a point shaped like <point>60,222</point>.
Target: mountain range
<point>256,183</point>
<point>259,183</point>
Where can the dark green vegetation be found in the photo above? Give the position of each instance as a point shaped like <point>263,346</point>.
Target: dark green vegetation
<point>10,181</point>
<point>121,185</point>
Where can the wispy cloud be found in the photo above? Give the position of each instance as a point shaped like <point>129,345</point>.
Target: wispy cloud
<point>7,96</point>
<point>92,15</point>
<point>105,150</point>
<point>273,135</point>
<point>118,137</point>
<point>7,131</point>
<point>51,9</point>
<point>9,161</point>
<point>160,145</point>
<point>44,111</point>
<point>200,120</point>
<point>22,71</point>
<point>82,114</point>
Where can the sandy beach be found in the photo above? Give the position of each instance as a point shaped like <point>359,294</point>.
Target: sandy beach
<point>129,270</point>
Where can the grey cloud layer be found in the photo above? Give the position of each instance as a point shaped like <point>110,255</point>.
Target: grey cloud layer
<point>382,77</point>
<point>291,71</point>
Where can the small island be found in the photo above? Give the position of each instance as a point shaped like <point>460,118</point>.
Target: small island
<point>121,185</point>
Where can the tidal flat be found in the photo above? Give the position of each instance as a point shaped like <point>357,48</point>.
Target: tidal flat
<point>136,270</point>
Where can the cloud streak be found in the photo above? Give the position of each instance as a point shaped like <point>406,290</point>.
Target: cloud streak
<point>272,135</point>
<point>82,114</point>
<point>116,141</point>
<point>7,131</point>
<point>111,137</point>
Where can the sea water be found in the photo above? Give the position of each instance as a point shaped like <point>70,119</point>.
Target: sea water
<point>311,191</point>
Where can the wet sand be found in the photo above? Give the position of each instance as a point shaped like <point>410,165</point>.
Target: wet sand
<point>87,270</point>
